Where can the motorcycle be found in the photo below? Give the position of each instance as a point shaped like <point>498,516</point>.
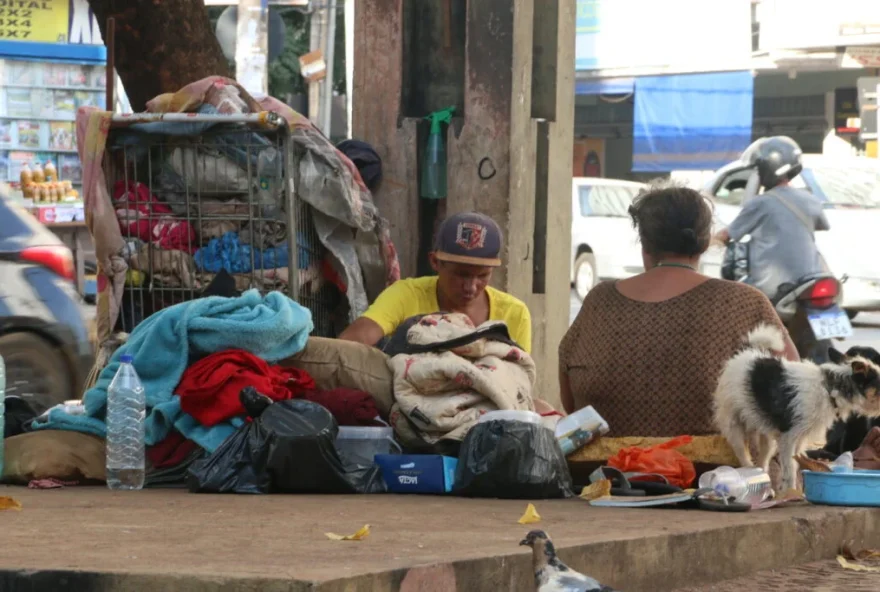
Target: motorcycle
<point>810,310</point>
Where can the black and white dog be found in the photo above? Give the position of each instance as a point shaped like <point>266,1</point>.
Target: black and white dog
<point>850,434</point>
<point>770,402</point>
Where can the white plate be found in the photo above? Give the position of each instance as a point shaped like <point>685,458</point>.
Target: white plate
<point>831,324</point>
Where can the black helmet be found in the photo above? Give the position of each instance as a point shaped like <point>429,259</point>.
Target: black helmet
<point>778,159</point>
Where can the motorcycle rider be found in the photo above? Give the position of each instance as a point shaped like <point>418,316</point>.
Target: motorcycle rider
<point>781,221</point>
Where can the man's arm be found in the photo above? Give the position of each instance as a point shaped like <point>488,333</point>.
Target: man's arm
<point>822,222</point>
<point>746,222</point>
<point>363,330</point>
<point>383,316</point>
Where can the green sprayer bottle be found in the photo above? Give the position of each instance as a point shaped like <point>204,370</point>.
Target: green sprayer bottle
<point>433,184</point>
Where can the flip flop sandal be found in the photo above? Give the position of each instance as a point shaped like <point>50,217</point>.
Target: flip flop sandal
<point>654,488</point>
<point>620,485</point>
<point>652,483</point>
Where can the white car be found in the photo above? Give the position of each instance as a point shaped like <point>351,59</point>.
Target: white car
<point>604,244</point>
<point>850,190</point>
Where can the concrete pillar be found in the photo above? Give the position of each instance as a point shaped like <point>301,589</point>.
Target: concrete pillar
<point>508,66</point>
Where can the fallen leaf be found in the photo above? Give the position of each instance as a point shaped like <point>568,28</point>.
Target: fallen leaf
<point>597,490</point>
<point>531,516</point>
<point>808,464</point>
<point>791,495</point>
<point>8,503</point>
<point>845,564</point>
<point>847,552</point>
<point>358,536</point>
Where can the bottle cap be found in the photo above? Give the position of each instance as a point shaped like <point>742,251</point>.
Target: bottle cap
<point>126,359</point>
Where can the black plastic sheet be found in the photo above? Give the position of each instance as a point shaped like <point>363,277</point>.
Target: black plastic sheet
<point>289,447</point>
<point>514,460</point>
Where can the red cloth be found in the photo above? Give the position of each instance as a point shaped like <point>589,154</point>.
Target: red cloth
<point>350,407</point>
<point>209,388</point>
<point>171,451</point>
<point>142,215</point>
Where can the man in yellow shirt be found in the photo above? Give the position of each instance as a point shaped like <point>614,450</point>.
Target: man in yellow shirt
<point>466,251</point>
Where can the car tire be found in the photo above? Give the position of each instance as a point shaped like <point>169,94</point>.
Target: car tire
<point>852,314</point>
<point>35,371</point>
<point>584,275</point>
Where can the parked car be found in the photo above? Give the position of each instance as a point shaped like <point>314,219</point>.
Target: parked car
<point>604,244</point>
<point>850,190</point>
<point>44,339</point>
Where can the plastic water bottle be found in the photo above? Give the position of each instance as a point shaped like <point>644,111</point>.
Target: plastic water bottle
<point>844,463</point>
<point>126,409</point>
<point>749,485</point>
<point>2,413</point>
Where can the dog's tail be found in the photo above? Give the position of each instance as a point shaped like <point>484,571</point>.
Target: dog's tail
<point>766,337</point>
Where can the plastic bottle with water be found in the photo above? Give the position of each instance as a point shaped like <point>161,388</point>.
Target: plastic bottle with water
<point>749,485</point>
<point>126,410</point>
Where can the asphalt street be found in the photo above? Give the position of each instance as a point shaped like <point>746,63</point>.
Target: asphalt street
<point>866,327</point>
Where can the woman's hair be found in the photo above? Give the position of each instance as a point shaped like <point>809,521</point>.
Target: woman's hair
<point>672,219</point>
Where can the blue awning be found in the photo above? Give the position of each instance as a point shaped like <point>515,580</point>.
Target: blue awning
<point>53,52</point>
<point>605,86</point>
<point>691,122</point>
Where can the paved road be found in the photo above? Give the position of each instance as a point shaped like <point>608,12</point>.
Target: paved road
<point>867,328</point>
<point>822,576</point>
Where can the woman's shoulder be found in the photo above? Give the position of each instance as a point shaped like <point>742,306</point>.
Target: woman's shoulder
<point>736,289</point>
<point>602,290</point>
<point>737,301</point>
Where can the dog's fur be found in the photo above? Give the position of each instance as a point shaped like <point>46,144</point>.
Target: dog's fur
<point>771,402</point>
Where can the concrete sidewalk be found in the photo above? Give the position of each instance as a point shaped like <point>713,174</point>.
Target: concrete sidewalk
<point>92,539</point>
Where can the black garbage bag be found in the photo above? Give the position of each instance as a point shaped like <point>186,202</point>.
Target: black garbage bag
<point>18,417</point>
<point>514,460</point>
<point>289,447</point>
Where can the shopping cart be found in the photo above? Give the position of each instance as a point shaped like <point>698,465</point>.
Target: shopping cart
<point>207,205</point>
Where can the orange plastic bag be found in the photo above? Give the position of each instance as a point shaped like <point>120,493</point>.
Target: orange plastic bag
<point>661,459</point>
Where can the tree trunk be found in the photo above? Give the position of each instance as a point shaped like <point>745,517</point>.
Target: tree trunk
<point>161,45</point>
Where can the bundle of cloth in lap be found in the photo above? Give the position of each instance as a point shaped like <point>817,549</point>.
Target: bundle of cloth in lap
<point>273,328</point>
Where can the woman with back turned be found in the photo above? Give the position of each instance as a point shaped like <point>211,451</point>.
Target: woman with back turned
<point>647,351</point>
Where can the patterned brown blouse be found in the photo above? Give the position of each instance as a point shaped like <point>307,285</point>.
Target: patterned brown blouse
<point>650,368</point>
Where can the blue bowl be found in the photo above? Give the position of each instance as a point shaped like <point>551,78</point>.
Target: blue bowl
<point>858,488</point>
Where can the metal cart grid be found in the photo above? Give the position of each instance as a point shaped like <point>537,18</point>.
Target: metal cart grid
<point>217,202</point>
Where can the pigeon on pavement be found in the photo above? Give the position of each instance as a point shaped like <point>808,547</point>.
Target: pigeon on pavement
<point>551,574</point>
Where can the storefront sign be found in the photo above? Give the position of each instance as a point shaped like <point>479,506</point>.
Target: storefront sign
<point>866,57</point>
<point>49,21</point>
<point>26,20</point>
<point>805,24</point>
<point>642,37</point>
<point>83,27</point>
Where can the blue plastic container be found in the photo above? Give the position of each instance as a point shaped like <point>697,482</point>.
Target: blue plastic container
<point>858,488</point>
<point>417,473</point>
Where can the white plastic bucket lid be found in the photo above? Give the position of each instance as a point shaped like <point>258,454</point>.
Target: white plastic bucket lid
<point>510,415</point>
<point>365,433</point>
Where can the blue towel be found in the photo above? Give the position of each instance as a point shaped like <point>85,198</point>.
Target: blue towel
<point>229,253</point>
<point>273,327</point>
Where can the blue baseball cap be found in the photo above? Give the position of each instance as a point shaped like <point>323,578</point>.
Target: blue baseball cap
<point>469,238</point>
